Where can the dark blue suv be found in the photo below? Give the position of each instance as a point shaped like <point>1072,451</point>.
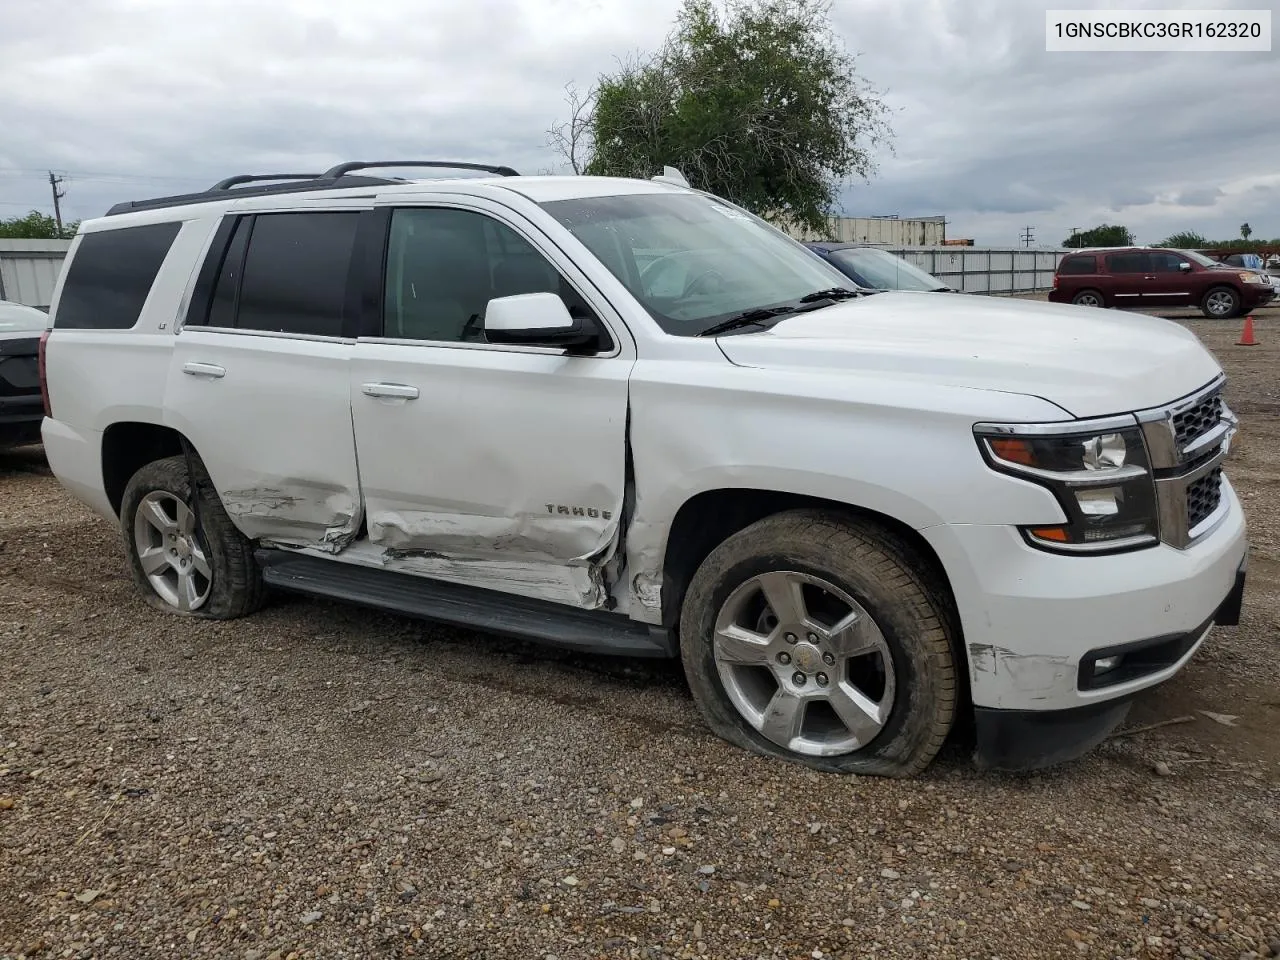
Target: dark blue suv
<point>877,269</point>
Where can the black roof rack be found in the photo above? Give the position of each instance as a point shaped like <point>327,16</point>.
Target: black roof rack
<point>255,177</point>
<point>344,168</point>
<point>336,178</point>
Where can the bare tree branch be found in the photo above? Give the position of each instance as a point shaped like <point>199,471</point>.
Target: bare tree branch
<point>572,138</point>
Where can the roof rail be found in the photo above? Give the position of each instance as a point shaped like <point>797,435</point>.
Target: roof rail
<point>255,177</point>
<point>251,189</point>
<point>335,178</point>
<point>344,168</point>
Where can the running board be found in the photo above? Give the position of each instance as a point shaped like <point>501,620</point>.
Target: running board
<point>554,624</point>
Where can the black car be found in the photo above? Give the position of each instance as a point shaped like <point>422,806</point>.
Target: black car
<point>21,403</point>
<point>877,269</point>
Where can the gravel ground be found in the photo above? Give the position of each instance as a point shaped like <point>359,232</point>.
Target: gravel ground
<point>319,781</point>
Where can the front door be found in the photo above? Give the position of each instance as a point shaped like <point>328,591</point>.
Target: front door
<point>259,374</point>
<point>1168,282</point>
<point>493,465</point>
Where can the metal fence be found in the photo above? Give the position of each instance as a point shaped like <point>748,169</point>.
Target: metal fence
<point>29,270</point>
<point>986,269</point>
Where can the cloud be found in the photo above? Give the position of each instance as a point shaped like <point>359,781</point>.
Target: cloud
<point>145,97</point>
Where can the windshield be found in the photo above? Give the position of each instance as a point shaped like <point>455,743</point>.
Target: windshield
<point>1199,258</point>
<point>691,260</point>
<point>14,317</point>
<point>878,268</point>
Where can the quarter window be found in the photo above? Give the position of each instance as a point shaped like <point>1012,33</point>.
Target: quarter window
<point>1078,265</point>
<point>445,265</point>
<point>110,276</point>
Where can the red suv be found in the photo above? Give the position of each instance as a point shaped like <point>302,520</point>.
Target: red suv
<point>1144,277</point>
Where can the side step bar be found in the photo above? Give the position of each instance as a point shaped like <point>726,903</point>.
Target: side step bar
<point>589,631</point>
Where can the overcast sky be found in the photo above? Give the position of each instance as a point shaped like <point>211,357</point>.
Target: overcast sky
<point>133,98</point>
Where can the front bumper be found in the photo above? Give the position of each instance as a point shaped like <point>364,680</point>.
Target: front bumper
<point>1017,740</point>
<point>1030,618</point>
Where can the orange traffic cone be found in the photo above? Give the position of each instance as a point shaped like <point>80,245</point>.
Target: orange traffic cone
<point>1246,335</point>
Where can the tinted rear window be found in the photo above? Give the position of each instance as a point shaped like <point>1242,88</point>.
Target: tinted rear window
<point>110,276</point>
<point>295,276</point>
<point>1079,265</point>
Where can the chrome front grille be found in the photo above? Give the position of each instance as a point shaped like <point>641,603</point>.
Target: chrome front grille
<point>1187,442</point>
<point>1203,497</point>
<point>1192,422</point>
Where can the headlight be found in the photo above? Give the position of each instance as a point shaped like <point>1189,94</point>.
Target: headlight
<point>1252,278</point>
<point>1098,472</point>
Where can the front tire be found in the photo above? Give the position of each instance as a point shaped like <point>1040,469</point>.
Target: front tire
<point>191,567</point>
<point>1089,298</point>
<point>821,641</point>
<point>1220,303</point>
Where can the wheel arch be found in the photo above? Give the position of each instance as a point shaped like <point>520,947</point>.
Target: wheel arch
<point>129,445</point>
<point>707,519</point>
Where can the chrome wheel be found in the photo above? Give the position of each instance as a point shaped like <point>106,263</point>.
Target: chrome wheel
<point>1088,299</point>
<point>171,553</point>
<point>804,663</point>
<point>1220,303</point>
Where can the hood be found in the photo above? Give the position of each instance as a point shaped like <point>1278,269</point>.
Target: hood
<point>1088,361</point>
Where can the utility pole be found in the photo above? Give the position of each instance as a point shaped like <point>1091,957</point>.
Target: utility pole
<point>57,195</point>
<point>1027,237</point>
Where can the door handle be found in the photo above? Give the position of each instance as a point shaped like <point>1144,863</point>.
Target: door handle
<point>402,391</point>
<point>211,370</point>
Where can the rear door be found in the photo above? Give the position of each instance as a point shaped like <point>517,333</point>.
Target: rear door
<point>258,381</point>
<point>1128,278</point>
<point>495,465</point>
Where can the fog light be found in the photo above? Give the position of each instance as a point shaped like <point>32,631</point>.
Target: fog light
<point>1100,501</point>
<point>1104,664</point>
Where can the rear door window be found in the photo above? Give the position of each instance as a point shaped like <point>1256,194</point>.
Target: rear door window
<point>1128,263</point>
<point>110,276</point>
<point>1079,265</point>
<point>295,273</point>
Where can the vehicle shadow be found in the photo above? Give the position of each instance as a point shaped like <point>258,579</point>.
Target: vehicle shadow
<point>28,460</point>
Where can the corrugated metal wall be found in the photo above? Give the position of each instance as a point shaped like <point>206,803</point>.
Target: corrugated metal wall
<point>29,270</point>
<point>986,269</point>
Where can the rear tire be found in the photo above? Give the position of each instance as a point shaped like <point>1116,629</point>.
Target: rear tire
<point>1089,298</point>
<point>790,683</point>
<point>1220,303</point>
<point>183,565</point>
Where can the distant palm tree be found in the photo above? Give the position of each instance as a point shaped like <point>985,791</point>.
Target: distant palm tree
<point>1245,230</point>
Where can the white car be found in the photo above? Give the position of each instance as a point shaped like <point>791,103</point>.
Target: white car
<point>629,417</point>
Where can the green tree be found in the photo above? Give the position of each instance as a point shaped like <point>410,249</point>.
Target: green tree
<point>35,226</point>
<point>1185,240</point>
<point>1106,235</point>
<point>1245,230</point>
<point>753,100</point>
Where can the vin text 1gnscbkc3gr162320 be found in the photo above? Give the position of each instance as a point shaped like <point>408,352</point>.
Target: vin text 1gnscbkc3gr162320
<point>629,417</point>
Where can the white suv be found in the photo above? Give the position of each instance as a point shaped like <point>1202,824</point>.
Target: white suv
<point>629,417</point>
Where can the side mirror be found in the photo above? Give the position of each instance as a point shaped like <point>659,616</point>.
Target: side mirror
<point>536,320</point>
<point>1184,266</point>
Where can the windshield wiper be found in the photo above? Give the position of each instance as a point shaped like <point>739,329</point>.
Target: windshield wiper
<point>833,293</point>
<point>810,301</point>
<point>747,318</point>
